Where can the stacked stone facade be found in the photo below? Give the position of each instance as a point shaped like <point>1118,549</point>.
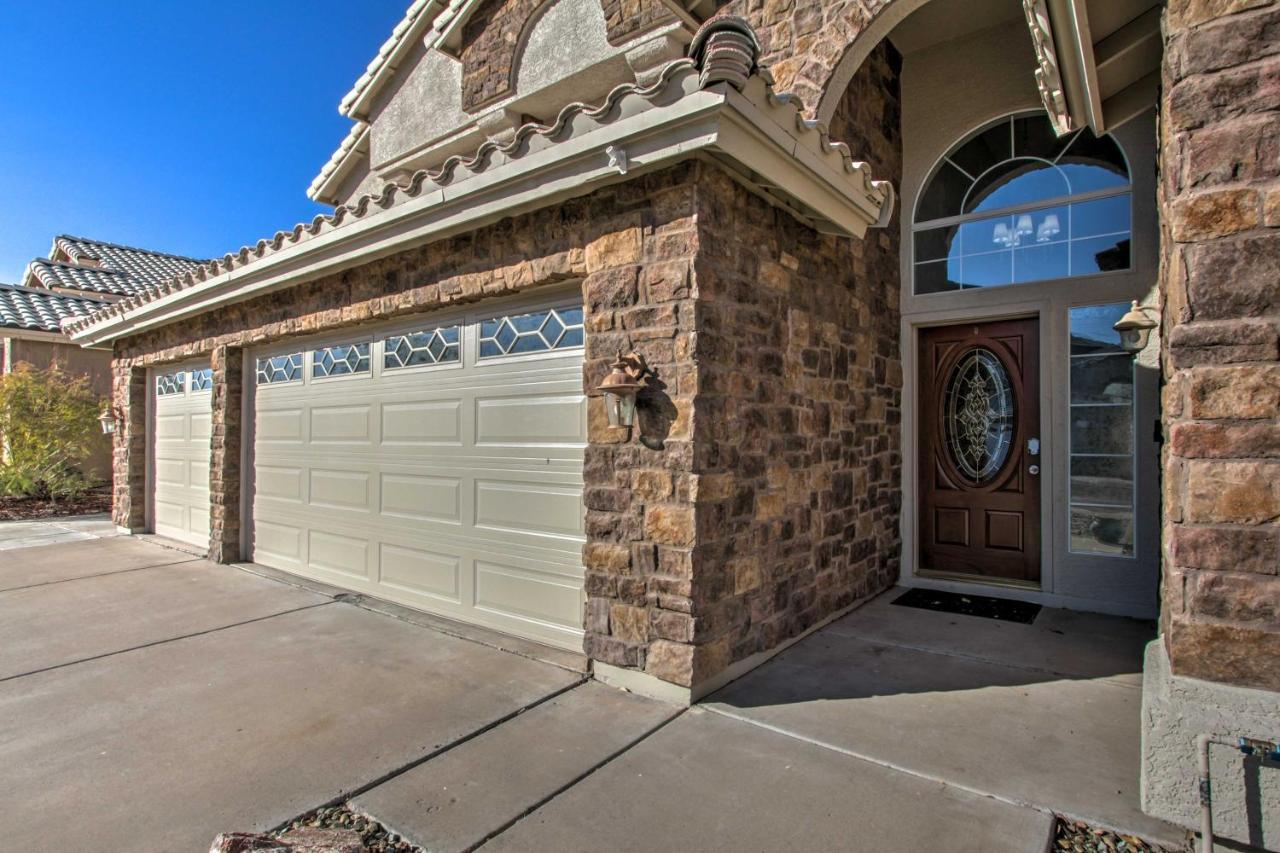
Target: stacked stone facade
<point>1220,188</point>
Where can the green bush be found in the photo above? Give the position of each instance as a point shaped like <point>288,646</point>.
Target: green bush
<point>48,425</point>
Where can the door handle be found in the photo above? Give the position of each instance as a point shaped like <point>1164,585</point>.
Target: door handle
<point>1033,446</point>
<point>1033,470</point>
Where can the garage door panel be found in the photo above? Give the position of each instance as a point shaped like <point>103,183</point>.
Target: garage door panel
<point>280,483</point>
<point>529,507</point>
<point>343,490</point>
<point>531,420</point>
<point>457,489</point>
<point>339,424</point>
<point>528,594</point>
<point>420,571</point>
<point>278,541</point>
<point>170,472</point>
<point>437,422</point>
<point>279,426</point>
<point>201,428</point>
<point>344,555</point>
<point>422,497</point>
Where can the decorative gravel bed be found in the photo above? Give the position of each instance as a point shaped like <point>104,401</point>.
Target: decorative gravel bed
<point>1079,837</point>
<point>374,835</point>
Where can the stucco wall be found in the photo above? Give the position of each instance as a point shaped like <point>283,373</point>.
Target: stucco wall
<point>94,364</point>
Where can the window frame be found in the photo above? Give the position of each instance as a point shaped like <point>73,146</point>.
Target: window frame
<point>957,220</point>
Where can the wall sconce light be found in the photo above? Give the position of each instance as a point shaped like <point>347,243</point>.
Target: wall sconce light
<point>107,419</point>
<point>1135,329</point>
<point>621,387</point>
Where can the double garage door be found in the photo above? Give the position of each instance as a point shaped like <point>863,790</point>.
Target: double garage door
<point>437,464</point>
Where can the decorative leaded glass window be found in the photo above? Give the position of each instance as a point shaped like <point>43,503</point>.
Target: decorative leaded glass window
<point>280,368</point>
<point>202,380</point>
<point>429,346</point>
<point>1100,484</point>
<point>540,331</point>
<point>340,360</point>
<point>979,415</point>
<point>171,383</point>
<point>1014,203</point>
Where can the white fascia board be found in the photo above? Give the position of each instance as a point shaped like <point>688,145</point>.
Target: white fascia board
<point>347,161</point>
<point>706,122</point>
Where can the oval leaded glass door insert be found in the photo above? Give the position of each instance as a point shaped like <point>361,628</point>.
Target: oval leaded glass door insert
<point>978,415</point>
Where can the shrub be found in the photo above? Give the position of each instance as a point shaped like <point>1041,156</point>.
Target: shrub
<point>48,424</point>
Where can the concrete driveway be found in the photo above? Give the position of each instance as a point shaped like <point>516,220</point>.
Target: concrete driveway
<point>149,699</point>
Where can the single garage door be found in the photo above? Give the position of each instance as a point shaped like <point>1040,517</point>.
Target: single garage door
<point>181,404</point>
<point>437,464</point>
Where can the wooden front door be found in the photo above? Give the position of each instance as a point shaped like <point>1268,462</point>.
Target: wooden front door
<point>979,450</point>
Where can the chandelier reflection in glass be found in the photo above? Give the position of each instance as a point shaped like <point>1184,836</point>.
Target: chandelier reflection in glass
<point>978,415</point>
<point>1006,237</point>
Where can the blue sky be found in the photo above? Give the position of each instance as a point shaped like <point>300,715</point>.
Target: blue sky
<point>193,128</point>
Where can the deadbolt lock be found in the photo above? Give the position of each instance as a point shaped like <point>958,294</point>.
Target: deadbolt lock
<point>1033,446</point>
<point>1033,470</point>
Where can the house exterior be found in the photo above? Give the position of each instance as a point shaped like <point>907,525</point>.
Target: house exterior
<point>869,258</point>
<point>78,277</point>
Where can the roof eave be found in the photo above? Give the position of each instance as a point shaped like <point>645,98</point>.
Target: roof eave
<point>324,187</point>
<point>761,137</point>
<point>358,103</point>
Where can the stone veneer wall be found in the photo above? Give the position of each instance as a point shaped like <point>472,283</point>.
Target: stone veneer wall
<point>1220,188</point>
<point>632,245</point>
<point>797,445</point>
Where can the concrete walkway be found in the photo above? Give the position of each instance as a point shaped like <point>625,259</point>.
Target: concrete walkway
<point>53,531</point>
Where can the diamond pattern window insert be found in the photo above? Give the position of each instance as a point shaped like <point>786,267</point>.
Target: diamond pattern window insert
<point>439,345</point>
<point>280,368</point>
<point>202,380</point>
<point>540,331</point>
<point>340,360</point>
<point>171,383</point>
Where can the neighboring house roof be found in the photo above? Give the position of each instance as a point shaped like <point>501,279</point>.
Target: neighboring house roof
<point>105,268</point>
<point>142,265</point>
<point>718,105</point>
<point>40,310</point>
<point>60,276</point>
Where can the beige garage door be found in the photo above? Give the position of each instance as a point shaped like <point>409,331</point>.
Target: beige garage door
<point>436,464</point>
<point>181,404</point>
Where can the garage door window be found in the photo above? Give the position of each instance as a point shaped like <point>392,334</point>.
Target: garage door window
<point>171,383</point>
<point>280,368</point>
<point>428,346</point>
<point>340,360</point>
<point>202,380</point>
<point>539,331</point>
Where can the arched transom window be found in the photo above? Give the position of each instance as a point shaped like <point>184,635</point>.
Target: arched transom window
<point>1013,203</point>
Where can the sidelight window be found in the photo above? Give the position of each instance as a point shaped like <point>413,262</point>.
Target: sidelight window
<point>1101,434</point>
<point>1014,203</point>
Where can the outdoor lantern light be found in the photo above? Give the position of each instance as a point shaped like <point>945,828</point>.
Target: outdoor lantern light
<point>1135,328</point>
<point>620,388</point>
<point>108,420</point>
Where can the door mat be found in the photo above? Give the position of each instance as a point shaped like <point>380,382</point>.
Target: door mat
<point>970,605</point>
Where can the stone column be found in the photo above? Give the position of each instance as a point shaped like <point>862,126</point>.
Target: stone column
<point>1213,671</point>
<point>224,460</point>
<point>1220,182</point>
<point>129,451</point>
